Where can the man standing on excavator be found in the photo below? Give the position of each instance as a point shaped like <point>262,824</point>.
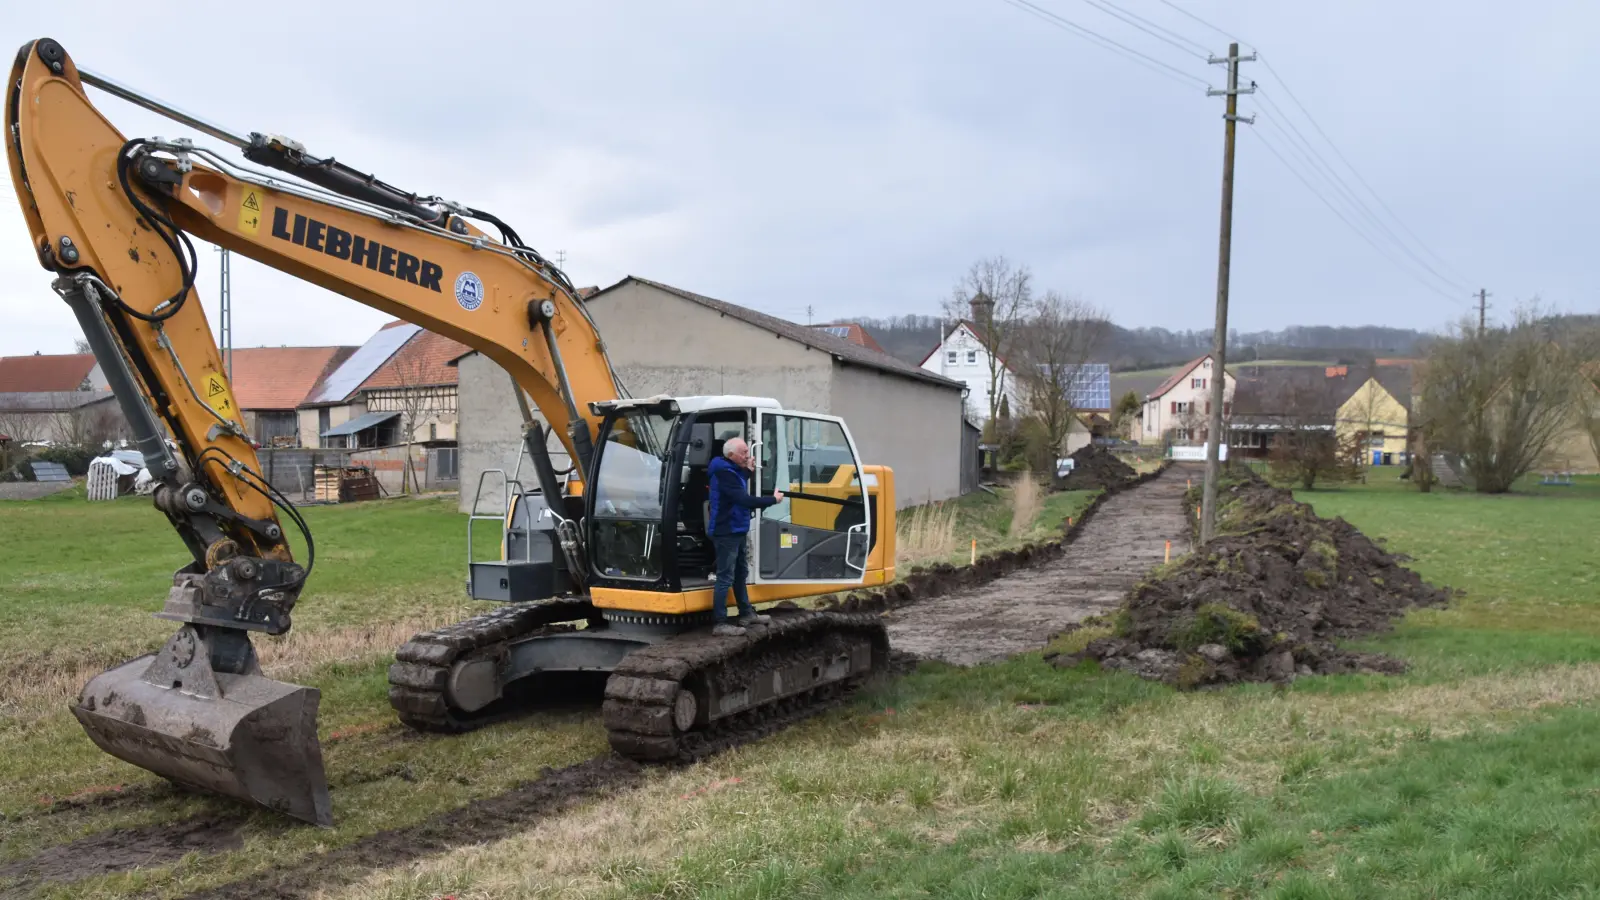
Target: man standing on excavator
<point>731,507</point>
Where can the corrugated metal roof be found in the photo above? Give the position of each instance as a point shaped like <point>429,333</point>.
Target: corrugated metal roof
<point>360,423</point>
<point>801,334</point>
<point>347,379</point>
<point>49,401</point>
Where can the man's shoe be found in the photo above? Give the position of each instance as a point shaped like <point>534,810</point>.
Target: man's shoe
<point>756,619</point>
<point>728,631</point>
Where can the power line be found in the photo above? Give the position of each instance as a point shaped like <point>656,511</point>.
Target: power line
<point>1353,170</point>
<point>1457,280</point>
<point>1317,163</point>
<point>1335,210</point>
<point>1360,205</point>
<point>1203,21</point>
<point>1151,28</point>
<point>1149,62</point>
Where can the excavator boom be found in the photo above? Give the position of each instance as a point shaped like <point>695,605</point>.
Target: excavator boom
<point>113,219</point>
<point>611,572</point>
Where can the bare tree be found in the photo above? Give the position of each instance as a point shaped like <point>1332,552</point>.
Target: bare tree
<point>1308,447</point>
<point>1586,407</point>
<point>1500,399</point>
<point>81,346</point>
<point>16,429</point>
<point>89,426</point>
<point>22,427</point>
<point>417,400</point>
<point>1056,340</point>
<point>996,294</point>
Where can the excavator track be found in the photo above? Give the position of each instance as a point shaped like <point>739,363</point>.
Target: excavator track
<point>695,694</point>
<point>421,671</point>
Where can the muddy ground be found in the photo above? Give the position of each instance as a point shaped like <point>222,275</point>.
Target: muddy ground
<point>1125,539</point>
<point>1017,612</point>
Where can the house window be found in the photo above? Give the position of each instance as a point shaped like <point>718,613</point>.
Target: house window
<point>972,356</point>
<point>1207,365</point>
<point>433,431</point>
<point>950,357</point>
<point>1199,383</point>
<point>1376,440</point>
<point>1179,407</point>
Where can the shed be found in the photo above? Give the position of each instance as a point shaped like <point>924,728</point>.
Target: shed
<point>666,340</point>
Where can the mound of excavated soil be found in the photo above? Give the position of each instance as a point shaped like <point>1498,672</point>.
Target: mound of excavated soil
<point>1264,601</point>
<point>1095,467</point>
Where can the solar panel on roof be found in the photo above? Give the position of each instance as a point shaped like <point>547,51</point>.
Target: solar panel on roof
<point>362,363</point>
<point>842,331</point>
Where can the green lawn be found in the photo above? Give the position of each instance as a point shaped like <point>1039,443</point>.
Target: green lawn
<point>1473,776</point>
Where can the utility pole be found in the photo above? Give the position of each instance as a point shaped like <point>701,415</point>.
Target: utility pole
<point>1483,309</point>
<point>808,315</point>
<point>1219,336</point>
<point>226,316</point>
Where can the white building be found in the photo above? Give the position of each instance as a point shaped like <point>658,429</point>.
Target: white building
<point>1182,404</point>
<point>963,355</point>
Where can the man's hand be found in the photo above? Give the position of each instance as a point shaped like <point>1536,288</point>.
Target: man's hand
<point>777,496</point>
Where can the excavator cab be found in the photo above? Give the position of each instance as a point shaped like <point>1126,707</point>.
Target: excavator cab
<point>644,520</point>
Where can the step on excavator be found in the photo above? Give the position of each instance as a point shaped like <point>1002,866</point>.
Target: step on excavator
<point>605,565</point>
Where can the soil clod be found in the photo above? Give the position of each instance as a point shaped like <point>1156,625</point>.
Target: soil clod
<point>1095,467</point>
<point>1265,601</point>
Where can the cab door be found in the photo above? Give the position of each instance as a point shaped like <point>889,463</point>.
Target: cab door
<point>821,532</point>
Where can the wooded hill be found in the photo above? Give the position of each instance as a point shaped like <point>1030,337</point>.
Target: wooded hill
<point>912,338</point>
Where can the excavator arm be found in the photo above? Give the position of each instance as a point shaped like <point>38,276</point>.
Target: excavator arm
<point>113,219</point>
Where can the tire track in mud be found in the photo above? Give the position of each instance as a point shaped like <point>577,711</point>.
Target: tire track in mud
<point>999,610</point>
<point>120,850</point>
<point>480,821</point>
<point>1020,611</point>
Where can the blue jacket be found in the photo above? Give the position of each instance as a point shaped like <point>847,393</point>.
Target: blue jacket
<point>731,501</point>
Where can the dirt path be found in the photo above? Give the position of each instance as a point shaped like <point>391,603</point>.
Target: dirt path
<point>32,490</point>
<point>1124,540</point>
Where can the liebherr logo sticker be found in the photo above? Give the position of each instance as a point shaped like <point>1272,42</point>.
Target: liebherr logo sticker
<point>469,291</point>
<point>341,244</point>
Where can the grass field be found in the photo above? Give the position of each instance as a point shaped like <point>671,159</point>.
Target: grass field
<point>1472,776</point>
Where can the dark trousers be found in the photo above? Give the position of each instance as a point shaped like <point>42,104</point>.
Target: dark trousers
<point>732,569</point>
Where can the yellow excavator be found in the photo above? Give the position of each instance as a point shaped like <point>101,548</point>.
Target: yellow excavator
<point>605,567</point>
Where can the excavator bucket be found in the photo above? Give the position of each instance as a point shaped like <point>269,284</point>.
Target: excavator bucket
<point>241,734</point>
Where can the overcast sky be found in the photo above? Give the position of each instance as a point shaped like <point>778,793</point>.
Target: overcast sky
<point>855,157</point>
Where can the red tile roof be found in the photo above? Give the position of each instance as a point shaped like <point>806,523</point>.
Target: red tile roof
<point>281,377</point>
<point>421,361</point>
<point>852,332</point>
<point>58,372</point>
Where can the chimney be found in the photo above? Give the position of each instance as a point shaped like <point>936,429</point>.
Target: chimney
<point>982,308</point>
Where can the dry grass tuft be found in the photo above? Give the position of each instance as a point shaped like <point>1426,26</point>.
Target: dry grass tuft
<point>51,682</point>
<point>1027,498</point>
<point>928,533</point>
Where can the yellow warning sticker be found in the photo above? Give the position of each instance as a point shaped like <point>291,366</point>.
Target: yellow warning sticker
<point>787,540</point>
<point>217,395</point>
<point>250,212</point>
